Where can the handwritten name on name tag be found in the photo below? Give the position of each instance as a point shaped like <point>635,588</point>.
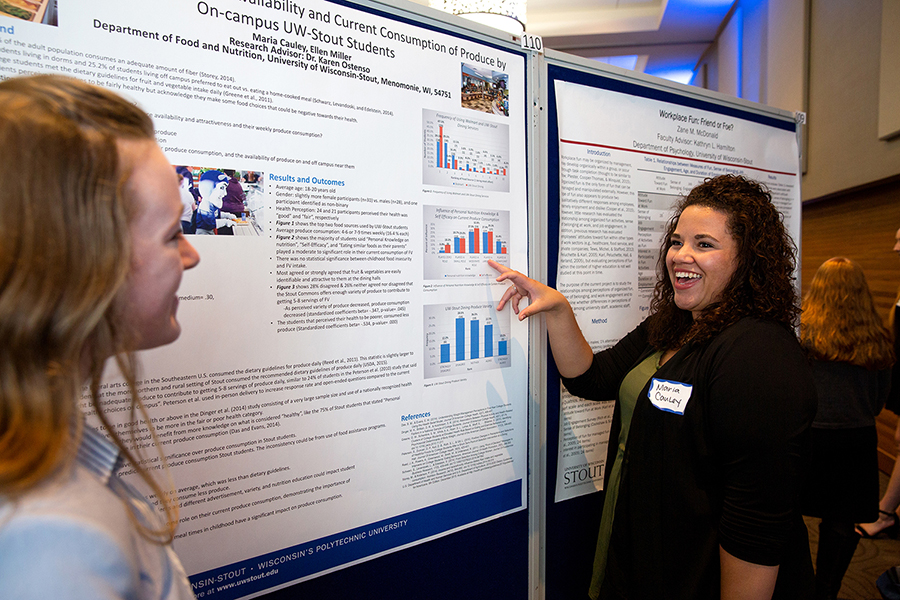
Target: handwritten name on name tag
<point>670,396</point>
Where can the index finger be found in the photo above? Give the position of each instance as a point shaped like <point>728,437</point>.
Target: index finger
<point>498,267</point>
<point>507,274</point>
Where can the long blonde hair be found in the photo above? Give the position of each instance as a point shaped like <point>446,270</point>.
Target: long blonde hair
<point>65,253</point>
<point>839,320</point>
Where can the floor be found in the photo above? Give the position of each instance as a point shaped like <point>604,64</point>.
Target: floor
<point>872,558</point>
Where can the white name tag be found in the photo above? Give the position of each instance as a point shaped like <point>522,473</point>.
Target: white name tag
<point>670,396</point>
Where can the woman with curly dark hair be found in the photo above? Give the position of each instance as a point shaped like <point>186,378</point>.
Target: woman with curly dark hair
<point>762,284</point>
<point>714,402</point>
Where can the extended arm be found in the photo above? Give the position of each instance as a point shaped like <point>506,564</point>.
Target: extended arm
<point>571,351</point>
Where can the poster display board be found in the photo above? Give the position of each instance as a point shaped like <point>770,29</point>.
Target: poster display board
<point>618,180</point>
<point>343,385</point>
<point>611,178</point>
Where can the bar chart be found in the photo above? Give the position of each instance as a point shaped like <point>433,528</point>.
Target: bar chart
<point>464,152</point>
<point>464,338</point>
<point>459,241</point>
<point>480,241</point>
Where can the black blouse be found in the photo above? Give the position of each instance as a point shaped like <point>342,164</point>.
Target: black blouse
<point>717,462</point>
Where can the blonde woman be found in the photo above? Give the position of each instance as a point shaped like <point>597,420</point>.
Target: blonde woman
<point>91,256</point>
<point>851,354</point>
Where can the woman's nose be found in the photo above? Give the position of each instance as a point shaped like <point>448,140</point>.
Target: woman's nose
<point>189,255</point>
<point>683,254</point>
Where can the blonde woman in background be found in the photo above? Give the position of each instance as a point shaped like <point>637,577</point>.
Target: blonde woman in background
<point>851,355</point>
<point>91,256</point>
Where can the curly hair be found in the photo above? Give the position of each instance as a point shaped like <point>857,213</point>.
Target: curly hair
<point>762,284</point>
<point>839,320</point>
<point>65,256</point>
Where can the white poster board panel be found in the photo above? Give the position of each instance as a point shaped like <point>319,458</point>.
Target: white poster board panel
<point>624,160</point>
<point>343,386</point>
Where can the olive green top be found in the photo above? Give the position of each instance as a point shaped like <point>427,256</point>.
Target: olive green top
<point>631,386</point>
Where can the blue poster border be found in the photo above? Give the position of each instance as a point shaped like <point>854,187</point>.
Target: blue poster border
<point>293,563</point>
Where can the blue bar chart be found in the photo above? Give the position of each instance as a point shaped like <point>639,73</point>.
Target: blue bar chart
<point>459,241</point>
<point>464,152</point>
<point>464,338</point>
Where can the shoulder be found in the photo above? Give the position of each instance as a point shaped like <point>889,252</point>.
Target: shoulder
<point>758,343</point>
<point>762,360</point>
<point>753,329</point>
<point>76,502</point>
<point>76,495</point>
<point>76,529</point>
<point>759,388</point>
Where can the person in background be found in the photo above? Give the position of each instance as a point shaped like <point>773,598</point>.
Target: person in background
<point>722,400</point>
<point>233,202</point>
<point>188,200</point>
<point>851,355</point>
<point>91,257</point>
<point>888,524</point>
<point>188,178</point>
<point>210,216</point>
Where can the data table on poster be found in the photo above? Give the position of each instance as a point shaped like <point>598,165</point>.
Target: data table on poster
<point>462,339</point>
<point>654,210</point>
<point>466,152</point>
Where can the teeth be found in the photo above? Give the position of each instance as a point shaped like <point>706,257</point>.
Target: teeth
<point>687,275</point>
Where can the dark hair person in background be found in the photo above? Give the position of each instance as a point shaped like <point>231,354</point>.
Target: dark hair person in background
<point>888,524</point>
<point>851,356</point>
<point>91,256</point>
<point>722,396</point>
<point>234,199</point>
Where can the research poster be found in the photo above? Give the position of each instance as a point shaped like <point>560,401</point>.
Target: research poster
<point>625,159</point>
<point>343,385</point>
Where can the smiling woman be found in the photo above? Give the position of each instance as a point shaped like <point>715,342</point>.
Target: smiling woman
<point>701,258</point>
<point>714,400</point>
<point>762,282</point>
<point>160,253</point>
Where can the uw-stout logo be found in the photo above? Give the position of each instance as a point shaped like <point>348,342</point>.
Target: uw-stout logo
<point>670,396</point>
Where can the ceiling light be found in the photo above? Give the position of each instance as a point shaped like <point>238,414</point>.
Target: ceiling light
<point>506,15</point>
